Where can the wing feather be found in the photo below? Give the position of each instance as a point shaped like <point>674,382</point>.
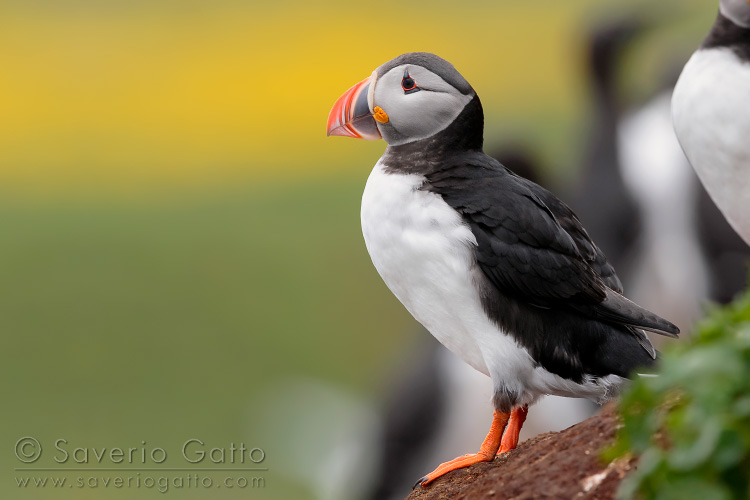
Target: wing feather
<point>531,245</point>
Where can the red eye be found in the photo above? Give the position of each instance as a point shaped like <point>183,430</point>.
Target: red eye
<point>408,83</point>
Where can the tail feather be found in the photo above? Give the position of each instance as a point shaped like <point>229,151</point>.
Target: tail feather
<point>617,308</point>
<point>644,341</point>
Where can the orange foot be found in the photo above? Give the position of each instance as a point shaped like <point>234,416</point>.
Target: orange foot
<point>486,453</point>
<point>510,437</point>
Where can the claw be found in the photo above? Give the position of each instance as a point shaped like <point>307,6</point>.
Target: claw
<point>486,453</point>
<point>419,482</point>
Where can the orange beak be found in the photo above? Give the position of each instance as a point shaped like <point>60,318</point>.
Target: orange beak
<point>351,116</point>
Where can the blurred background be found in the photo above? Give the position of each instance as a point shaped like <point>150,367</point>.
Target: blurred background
<point>181,255</point>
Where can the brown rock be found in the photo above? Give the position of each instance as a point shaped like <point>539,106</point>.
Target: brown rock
<point>556,465</point>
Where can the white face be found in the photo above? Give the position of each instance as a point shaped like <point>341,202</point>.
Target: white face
<point>737,11</point>
<point>415,115</point>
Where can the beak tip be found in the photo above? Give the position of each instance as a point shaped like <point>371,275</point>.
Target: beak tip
<point>341,129</point>
<point>350,115</point>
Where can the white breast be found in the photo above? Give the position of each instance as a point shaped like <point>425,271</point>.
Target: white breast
<point>711,112</point>
<point>424,253</point>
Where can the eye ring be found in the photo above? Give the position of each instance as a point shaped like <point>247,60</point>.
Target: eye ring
<point>408,84</point>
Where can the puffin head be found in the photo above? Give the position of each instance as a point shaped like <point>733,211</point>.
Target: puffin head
<point>412,97</point>
<point>737,11</point>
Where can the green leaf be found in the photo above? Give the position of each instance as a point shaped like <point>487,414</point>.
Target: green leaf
<point>691,423</point>
<point>687,456</point>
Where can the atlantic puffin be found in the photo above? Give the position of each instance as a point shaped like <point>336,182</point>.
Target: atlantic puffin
<point>497,268</point>
<point>711,113</point>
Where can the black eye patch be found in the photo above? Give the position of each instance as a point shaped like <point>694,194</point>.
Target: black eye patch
<point>408,83</point>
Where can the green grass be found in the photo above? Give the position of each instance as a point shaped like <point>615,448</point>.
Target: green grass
<point>163,322</point>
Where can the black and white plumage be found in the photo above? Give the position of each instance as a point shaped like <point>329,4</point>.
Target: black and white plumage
<point>711,113</point>
<point>494,266</point>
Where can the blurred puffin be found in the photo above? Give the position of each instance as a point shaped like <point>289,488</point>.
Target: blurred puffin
<point>638,197</point>
<point>494,266</point>
<point>711,113</point>
<point>600,197</point>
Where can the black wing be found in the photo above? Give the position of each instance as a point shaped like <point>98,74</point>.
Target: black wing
<point>530,244</point>
<point>570,224</point>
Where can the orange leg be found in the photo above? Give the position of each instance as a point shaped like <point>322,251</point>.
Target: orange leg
<point>510,438</point>
<point>486,452</point>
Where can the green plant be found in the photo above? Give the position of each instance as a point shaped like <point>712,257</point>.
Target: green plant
<point>690,425</point>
